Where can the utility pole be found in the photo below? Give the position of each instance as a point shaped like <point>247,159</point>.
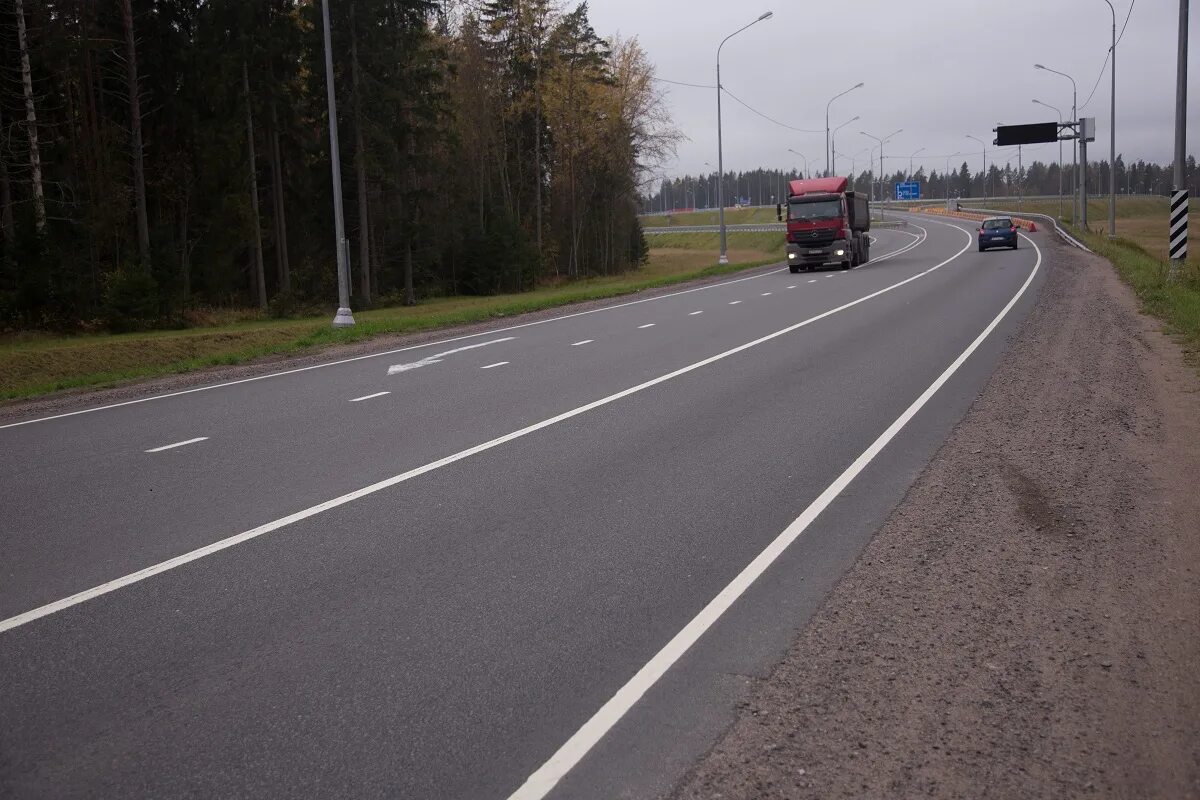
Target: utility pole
<point>1112,132</point>
<point>343,318</point>
<point>1178,223</point>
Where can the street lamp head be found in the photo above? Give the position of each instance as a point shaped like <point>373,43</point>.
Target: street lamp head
<point>767,15</point>
<point>859,85</point>
<point>1038,66</point>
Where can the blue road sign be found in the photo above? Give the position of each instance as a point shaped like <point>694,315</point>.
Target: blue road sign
<point>908,191</point>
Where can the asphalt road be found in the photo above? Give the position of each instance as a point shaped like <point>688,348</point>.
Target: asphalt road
<point>419,574</point>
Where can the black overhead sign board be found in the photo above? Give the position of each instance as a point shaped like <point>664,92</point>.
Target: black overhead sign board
<point>1026,134</point>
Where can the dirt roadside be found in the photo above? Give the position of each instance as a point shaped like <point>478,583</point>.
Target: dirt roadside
<point>1027,622</point>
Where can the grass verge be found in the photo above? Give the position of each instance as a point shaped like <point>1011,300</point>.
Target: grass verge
<point>32,365</point>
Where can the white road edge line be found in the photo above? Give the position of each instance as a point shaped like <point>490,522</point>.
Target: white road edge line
<point>434,343</point>
<point>585,341</point>
<point>177,444</point>
<point>539,784</point>
<point>369,397</point>
<point>349,497</point>
<point>493,366</point>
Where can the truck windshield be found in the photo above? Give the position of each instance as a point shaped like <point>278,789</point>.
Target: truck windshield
<point>815,209</point>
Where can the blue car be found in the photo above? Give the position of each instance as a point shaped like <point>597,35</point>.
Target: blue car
<point>997,232</point>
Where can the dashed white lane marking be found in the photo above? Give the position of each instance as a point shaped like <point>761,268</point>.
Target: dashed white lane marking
<point>694,313</point>
<point>585,341</point>
<point>369,397</point>
<point>647,325</point>
<point>544,779</point>
<point>177,444</point>
<point>583,740</point>
<point>437,357</point>
<point>814,280</point>
<point>793,286</point>
<point>389,352</point>
<point>734,302</point>
<point>497,364</point>
<point>766,294</point>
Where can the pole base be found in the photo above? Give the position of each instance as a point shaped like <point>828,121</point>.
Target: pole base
<point>724,259</point>
<point>343,318</point>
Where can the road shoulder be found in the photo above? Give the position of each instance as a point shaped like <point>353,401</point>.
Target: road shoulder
<point>1025,622</point>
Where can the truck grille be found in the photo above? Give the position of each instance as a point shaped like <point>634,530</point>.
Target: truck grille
<point>813,238</point>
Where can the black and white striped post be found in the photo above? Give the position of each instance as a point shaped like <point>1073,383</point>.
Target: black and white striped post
<point>1179,226</point>
<point>1179,197</point>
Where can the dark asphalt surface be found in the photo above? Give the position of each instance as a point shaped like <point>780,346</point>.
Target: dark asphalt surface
<point>444,636</point>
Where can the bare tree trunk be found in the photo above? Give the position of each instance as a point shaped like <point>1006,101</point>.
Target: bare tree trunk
<point>35,158</point>
<point>537,149</point>
<point>360,168</point>
<point>7,229</point>
<point>185,248</point>
<point>282,264</point>
<point>260,278</point>
<point>135,125</point>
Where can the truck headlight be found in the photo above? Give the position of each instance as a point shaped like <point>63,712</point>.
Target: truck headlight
<point>841,252</point>
<point>791,255</point>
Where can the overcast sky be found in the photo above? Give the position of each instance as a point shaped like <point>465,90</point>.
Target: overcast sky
<point>936,68</point>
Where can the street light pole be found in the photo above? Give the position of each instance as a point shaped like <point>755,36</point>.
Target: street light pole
<point>910,162</point>
<point>724,259</point>
<point>828,147</point>
<point>1075,143</point>
<point>881,143</point>
<point>985,169</point>
<point>1060,166</point>
<point>343,318</point>
<point>1112,132</point>
<point>833,145</point>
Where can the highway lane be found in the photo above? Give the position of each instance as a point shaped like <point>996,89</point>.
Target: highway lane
<point>444,636</point>
<point>278,445</point>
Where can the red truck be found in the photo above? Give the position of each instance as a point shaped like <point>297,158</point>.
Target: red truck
<point>826,224</point>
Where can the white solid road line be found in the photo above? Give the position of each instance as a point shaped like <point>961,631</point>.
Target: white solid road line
<point>436,358</point>
<point>369,397</point>
<point>539,784</point>
<point>434,343</point>
<point>585,341</point>
<point>320,508</point>
<point>647,325</point>
<point>694,313</point>
<point>177,444</point>
<point>493,366</point>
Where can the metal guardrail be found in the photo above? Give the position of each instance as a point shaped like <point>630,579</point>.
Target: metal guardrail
<point>1045,218</point>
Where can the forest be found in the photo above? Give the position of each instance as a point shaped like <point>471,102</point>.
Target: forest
<point>764,186</point>
<point>161,156</point>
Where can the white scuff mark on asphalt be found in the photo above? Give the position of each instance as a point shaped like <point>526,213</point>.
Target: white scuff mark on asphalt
<point>437,357</point>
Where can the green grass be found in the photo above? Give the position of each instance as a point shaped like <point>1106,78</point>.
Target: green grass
<point>34,364</point>
<point>1175,302</point>
<point>733,216</point>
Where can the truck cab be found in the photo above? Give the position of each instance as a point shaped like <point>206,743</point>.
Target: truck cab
<point>826,224</point>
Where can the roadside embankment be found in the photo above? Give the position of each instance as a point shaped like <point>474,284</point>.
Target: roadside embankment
<point>1026,623</point>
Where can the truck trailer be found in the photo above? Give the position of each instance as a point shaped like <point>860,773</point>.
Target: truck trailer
<point>826,224</point>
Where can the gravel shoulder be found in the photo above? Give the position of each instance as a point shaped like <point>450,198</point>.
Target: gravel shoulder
<point>1027,622</point>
